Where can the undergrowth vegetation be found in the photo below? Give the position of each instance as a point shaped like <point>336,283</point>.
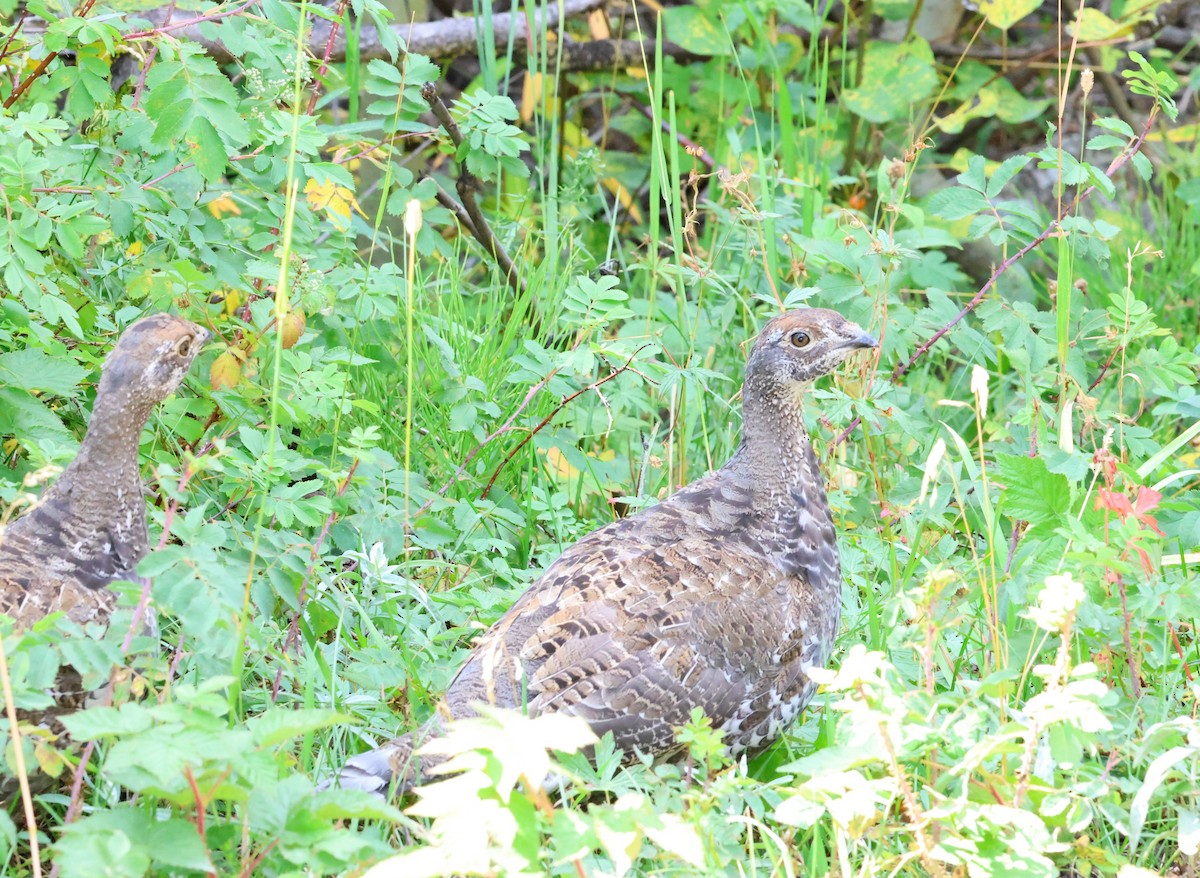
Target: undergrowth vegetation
<point>420,393</point>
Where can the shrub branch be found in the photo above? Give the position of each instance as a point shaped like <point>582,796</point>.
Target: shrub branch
<point>903,368</point>
<point>467,184</point>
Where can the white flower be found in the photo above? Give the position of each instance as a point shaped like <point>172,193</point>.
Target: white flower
<point>1057,602</point>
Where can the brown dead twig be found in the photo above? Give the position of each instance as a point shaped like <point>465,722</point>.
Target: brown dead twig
<point>902,368</point>
<point>558,408</point>
<point>467,184</point>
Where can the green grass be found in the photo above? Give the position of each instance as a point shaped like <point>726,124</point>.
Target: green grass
<point>333,556</point>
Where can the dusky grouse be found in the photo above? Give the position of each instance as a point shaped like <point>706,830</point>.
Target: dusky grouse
<point>89,529</point>
<point>720,597</point>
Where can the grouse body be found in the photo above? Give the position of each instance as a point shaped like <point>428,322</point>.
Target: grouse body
<point>721,597</point>
<point>89,529</point>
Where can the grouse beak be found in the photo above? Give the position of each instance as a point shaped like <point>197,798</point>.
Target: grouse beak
<point>864,340</point>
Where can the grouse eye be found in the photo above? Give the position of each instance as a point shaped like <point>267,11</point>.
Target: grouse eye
<point>184,346</point>
<point>799,339</point>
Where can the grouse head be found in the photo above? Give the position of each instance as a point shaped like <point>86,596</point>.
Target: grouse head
<point>801,345</point>
<point>150,360</point>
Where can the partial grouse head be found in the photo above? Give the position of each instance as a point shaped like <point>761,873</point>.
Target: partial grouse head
<point>805,344</point>
<point>150,360</point>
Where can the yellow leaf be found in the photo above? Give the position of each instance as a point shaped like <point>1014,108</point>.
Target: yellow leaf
<point>557,464</point>
<point>598,25</point>
<point>49,760</point>
<point>1093,25</point>
<point>337,201</point>
<point>1005,13</point>
<point>224,204</point>
<point>1182,134</point>
<point>134,250</point>
<point>531,95</point>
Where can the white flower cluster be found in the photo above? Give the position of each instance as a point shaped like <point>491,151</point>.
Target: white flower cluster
<point>1057,602</point>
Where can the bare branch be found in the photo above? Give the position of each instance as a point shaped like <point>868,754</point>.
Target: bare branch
<point>467,184</point>
<point>437,39</point>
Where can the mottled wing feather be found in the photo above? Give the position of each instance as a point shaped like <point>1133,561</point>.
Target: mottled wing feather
<point>633,641</point>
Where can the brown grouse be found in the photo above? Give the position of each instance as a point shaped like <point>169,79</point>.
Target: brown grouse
<point>89,529</point>
<point>721,597</point>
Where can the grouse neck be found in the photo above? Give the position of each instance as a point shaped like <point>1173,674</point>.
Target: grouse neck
<point>108,456</point>
<point>775,442</point>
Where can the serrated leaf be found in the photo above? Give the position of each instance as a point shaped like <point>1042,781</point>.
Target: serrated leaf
<point>1033,493</point>
<point>31,422</point>
<point>98,722</point>
<point>337,202</point>
<point>208,151</point>
<point>956,202</point>
<point>1008,169</point>
<point>33,370</point>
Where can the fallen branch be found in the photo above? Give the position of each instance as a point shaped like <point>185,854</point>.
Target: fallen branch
<point>467,184</point>
<point>615,54</point>
<point>446,38</point>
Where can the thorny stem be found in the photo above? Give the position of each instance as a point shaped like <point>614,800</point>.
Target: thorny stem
<point>562,405</point>
<point>902,368</point>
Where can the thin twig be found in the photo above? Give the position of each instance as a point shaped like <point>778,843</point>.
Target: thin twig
<point>562,405</point>
<point>467,183</point>
<point>1179,649</point>
<point>333,32</point>
<point>902,368</point>
<point>16,30</point>
<point>446,200</point>
<point>293,635</point>
<point>1104,369</point>
<point>201,19</point>
<point>14,731</point>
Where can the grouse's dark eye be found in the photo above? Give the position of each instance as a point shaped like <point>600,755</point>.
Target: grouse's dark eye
<point>184,346</point>
<point>799,339</point>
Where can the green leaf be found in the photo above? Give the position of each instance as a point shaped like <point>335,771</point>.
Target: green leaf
<point>691,28</point>
<point>208,152</point>
<point>107,854</point>
<point>956,202</point>
<point>894,77</point>
<point>1033,493</point>
<point>280,724</point>
<point>31,369</point>
<point>98,722</point>
<point>27,419</point>
<point>1005,13</point>
<point>1010,167</point>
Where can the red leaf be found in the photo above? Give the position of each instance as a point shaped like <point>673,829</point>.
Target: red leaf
<point>1115,502</point>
